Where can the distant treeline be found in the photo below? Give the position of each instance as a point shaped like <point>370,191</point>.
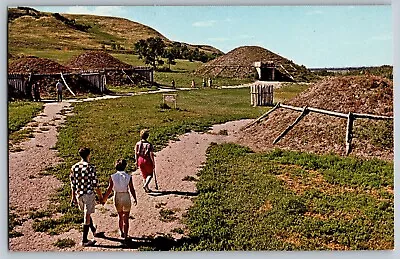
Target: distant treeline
<point>152,50</point>
<point>14,13</point>
<point>182,51</point>
<point>384,71</point>
<point>72,23</point>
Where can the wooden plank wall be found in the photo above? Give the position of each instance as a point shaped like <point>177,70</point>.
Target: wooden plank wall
<point>17,83</point>
<point>262,95</point>
<point>96,79</point>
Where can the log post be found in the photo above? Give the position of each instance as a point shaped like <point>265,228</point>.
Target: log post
<point>128,76</point>
<point>349,133</point>
<point>302,115</point>
<point>62,77</point>
<point>28,88</point>
<point>261,117</point>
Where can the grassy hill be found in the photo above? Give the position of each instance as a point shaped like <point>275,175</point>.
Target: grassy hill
<point>31,30</point>
<point>239,63</point>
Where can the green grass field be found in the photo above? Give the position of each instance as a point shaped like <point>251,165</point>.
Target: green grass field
<point>19,114</point>
<point>277,200</point>
<point>184,80</point>
<point>284,200</point>
<point>60,56</point>
<point>288,90</point>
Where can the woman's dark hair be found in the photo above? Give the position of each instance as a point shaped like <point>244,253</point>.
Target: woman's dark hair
<point>84,152</point>
<point>120,165</point>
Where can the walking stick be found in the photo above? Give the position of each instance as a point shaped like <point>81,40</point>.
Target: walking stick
<point>155,178</point>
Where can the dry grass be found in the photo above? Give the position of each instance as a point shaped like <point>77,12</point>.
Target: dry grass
<point>267,206</point>
<point>46,32</point>
<point>315,180</point>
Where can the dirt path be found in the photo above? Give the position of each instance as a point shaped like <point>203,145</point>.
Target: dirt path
<point>159,213</point>
<point>29,190</point>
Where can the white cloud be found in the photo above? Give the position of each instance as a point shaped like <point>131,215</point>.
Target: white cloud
<point>209,23</point>
<point>98,10</point>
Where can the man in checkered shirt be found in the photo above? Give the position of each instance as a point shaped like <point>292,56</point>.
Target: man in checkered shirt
<point>83,187</point>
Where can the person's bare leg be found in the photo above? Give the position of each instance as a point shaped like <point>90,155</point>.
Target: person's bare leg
<point>86,227</point>
<point>121,224</point>
<point>126,224</point>
<point>146,184</point>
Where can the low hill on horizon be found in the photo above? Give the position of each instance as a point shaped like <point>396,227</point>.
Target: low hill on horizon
<point>31,29</point>
<point>239,63</point>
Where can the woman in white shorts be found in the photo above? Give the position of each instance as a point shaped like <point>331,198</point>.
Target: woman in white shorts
<point>120,182</point>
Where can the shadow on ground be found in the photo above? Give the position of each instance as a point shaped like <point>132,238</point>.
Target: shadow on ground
<point>159,243</point>
<point>162,193</point>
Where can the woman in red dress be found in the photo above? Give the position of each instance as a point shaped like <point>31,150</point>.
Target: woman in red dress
<point>144,155</point>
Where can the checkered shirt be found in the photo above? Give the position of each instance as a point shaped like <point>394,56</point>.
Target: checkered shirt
<point>83,178</point>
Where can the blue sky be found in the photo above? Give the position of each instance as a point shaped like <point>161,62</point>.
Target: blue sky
<point>314,36</point>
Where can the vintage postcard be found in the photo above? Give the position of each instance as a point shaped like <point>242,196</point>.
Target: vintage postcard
<point>200,128</point>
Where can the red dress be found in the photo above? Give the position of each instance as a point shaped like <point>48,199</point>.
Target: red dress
<point>144,161</point>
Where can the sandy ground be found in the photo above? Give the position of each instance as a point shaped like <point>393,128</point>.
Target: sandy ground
<point>29,190</point>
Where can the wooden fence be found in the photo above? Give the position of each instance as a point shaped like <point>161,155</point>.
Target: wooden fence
<point>17,83</point>
<point>145,72</point>
<point>261,95</point>
<point>98,80</point>
<point>306,110</point>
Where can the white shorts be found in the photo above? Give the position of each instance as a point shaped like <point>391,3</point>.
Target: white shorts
<point>87,203</point>
<point>122,201</point>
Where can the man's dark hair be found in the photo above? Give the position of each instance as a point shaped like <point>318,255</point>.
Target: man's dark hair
<point>120,165</point>
<point>84,152</point>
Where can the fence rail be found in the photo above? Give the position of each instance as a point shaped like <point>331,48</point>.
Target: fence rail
<point>306,110</point>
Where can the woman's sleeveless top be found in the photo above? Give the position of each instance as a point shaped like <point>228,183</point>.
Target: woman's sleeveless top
<point>144,149</point>
<point>121,181</point>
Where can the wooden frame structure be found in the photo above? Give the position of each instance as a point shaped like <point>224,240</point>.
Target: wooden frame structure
<point>261,95</point>
<point>170,98</point>
<point>306,110</point>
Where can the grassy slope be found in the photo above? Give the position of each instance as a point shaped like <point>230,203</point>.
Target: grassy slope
<point>19,114</point>
<point>119,30</point>
<point>48,33</point>
<point>291,201</point>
